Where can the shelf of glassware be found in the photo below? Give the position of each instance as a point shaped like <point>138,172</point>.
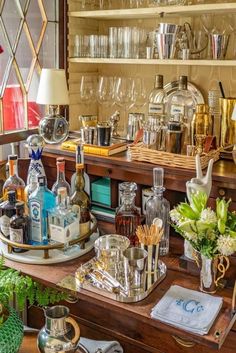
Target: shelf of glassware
<point>199,62</point>
<point>152,12</point>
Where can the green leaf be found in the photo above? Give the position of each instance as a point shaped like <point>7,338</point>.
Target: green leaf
<point>187,212</point>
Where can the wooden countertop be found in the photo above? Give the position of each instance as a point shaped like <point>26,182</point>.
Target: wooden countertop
<point>223,170</point>
<point>52,275</point>
<point>29,344</point>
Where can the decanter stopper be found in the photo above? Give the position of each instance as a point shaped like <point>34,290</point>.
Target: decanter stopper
<point>35,144</point>
<point>158,176</point>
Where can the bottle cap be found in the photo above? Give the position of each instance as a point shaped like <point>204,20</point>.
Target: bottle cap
<point>20,205</point>
<point>12,157</point>
<point>183,82</point>
<point>159,81</point>
<point>41,180</point>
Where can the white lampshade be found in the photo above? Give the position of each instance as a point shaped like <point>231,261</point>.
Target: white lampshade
<point>53,87</point>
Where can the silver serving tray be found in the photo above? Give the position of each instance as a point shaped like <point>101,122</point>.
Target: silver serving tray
<point>171,87</point>
<point>152,280</point>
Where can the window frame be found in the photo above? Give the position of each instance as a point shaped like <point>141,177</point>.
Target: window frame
<point>21,135</point>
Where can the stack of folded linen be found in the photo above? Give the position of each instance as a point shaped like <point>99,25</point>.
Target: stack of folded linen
<point>187,309</point>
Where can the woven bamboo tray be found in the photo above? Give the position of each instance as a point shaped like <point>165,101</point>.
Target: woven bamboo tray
<point>143,154</point>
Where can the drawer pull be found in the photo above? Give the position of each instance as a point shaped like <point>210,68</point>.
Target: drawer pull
<point>109,171</point>
<point>183,342</point>
<point>71,299</point>
<point>222,192</point>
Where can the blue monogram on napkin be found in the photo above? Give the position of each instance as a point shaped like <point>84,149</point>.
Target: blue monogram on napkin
<point>187,309</point>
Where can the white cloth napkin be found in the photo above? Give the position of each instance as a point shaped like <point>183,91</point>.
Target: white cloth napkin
<point>94,346</point>
<point>187,309</point>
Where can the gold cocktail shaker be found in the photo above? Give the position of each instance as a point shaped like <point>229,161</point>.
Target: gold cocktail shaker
<point>202,123</point>
<point>228,126</point>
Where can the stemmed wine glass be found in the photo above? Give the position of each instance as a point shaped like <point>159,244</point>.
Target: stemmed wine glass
<point>105,93</point>
<point>123,95</point>
<point>139,93</point>
<point>87,89</point>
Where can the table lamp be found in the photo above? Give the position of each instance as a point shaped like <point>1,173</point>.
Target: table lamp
<point>53,91</point>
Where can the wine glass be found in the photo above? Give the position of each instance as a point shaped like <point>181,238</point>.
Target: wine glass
<point>105,93</point>
<point>123,95</point>
<point>139,93</point>
<point>87,89</point>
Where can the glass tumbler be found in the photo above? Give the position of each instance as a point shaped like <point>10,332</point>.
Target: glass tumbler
<point>112,42</point>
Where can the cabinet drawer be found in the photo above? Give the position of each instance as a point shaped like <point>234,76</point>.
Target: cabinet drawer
<point>115,323</point>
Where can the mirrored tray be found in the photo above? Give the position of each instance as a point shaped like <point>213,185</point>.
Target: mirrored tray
<point>74,283</point>
<point>171,87</point>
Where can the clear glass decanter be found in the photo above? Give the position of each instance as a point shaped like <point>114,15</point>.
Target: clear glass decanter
<point>128,216</point>
<point>35,145</point>
<point>158,207</point>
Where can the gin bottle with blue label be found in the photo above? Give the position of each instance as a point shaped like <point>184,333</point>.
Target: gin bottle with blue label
<point>40,202</point>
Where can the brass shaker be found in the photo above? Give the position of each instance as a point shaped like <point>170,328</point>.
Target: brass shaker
<point>202,123</point>
<point>228,126</point>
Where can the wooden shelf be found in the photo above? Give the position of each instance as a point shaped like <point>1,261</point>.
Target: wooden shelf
<point>154,62</point>
<point>153,12</point>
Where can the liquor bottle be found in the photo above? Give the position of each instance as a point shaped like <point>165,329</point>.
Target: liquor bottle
<point>128,216</point>
<point>19,226</point>
<point>80,197</point>
<point>61,180</point>
<point>35,145</point>
<point>14,182</point>
<point>181,101</point>
<point>32,186</point>
<point>158,207</point>
<point>157,97</point>
<point>40,202</point>
<point>7,210</point>
<point>86,179</point>
<point>64,218</point>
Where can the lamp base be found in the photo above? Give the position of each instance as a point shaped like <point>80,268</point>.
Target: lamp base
<point>54,129</point>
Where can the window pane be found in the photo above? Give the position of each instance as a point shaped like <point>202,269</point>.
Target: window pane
<point>4,57</point>
<point>24,56</point>
<point>34,20</point>
<point>27,53</point>
<point>48,52</point>
<point>35,111</point>
<point>11,19</point>
<point>51,10</point>
<point>13,105</point>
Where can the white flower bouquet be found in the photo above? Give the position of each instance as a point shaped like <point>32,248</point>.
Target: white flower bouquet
<point>211,232</point>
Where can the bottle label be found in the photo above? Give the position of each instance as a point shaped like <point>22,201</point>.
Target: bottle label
<point>177,109</point>
<point>36,225</point>
<point>156,108</point>
<point>4,225</point>
<point>16,235</point>
<point>65,234</point>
